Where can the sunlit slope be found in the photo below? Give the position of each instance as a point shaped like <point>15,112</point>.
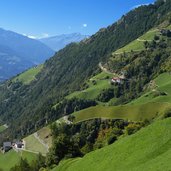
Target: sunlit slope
<point>35,144</point>
<point>160,91</point>
<point>12,158</point>
<point>148,149</point>
<point>29,75</point>
<point>138,44</point>
<point>94,86</point>
<point>128,112</point>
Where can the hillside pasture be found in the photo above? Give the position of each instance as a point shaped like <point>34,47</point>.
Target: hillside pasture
<point>95,85</point>
<point>34,145</point>
<point>138,44</point>
<point>162,92</point>
<point>148,149</point>
<point>46,135</point>
<point>12,158</point>
<point>29,75</point>
<point>127,112</point>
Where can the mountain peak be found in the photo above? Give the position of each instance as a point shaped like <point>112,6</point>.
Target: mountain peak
<point>60,41</point>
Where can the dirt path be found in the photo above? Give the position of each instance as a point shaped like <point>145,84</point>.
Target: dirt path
<point>65,118</point>
<point>118,53</point>
<point>30,151</point>
<point>153,30</point>
<point>5,125</point>
<point>143,40</point>
<point>105,69</point>
<point>41,141</point>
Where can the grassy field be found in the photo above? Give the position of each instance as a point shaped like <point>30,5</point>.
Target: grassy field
<point>2,128</point>
<point>12,158</point>
<point>45,135</point>
<point>128,112</point>
<point>147,106</point>
<point>169,27</point>
<point>135,46</point>
<point>33,144</point>
<point>163,84</point>
<point>147,150</point>
<point>29,75</point>
<point>102,81</point>
<point>138,44</point>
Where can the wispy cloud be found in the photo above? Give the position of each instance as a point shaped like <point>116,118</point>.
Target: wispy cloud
<point>84,25</point>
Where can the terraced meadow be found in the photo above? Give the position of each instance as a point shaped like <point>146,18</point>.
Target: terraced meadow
<point>127,112</point>
<point>95,86</point>
<point>148,106</point>
<point>34,144</point>
<point>45,135</point>
<point>138,44</point>
<point>154,103</point>
<point>148,149</point>
<point>161,92</point>
<point>29,75</point>
<point>12,158</point>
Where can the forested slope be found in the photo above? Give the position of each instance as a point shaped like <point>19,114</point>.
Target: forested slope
<point>24,106</point>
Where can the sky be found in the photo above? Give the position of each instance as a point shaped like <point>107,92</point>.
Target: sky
<point>44,18</point>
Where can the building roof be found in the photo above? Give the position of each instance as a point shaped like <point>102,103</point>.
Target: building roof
<point>116,78</point>
<point>18,143</point>
<point>7,144</point>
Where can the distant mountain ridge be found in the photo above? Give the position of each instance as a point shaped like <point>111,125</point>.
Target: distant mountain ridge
<point>60,41</point>
<point>18,53</point>
<point>11,63</point>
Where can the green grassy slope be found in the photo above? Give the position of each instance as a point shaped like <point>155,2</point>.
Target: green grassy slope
<point>29,75</point>
<point>128,112</point>
<point>102,82</point>
<point>45,135</point>
<point>149,149</point>
<point>147,106</point>
<point>138,44</point>
<point>162,84</point>
<point>12,158</point>
<point>2,128</point>
<point>33,144</point>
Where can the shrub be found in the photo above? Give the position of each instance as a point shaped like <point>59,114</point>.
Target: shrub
<point>156,37</point>
<point>94,82</point>
<point>112,139</point>
<point>132,128</point>
<point>106,95</point>
<point>167,113</point>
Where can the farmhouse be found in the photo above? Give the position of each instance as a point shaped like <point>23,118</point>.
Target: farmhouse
<point>6,147</point>
<point>118,80</point>
<point>18,144</point>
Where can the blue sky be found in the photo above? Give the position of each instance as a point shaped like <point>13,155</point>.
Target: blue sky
<point>41,18</point>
